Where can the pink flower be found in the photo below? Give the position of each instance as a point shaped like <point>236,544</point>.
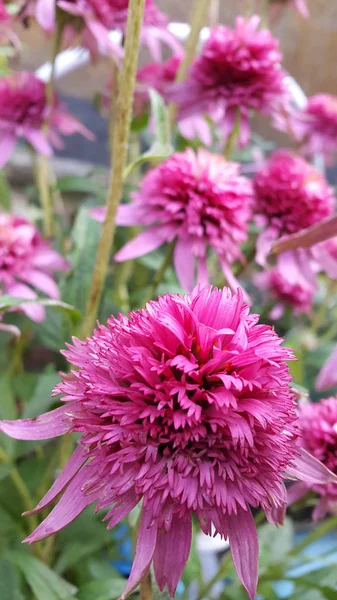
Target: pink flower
<point>185,405</point>
<point>318,423</point>
<point>98,18</point>
<point>24,111</point>
<point>237,71</point>
<point>199,200</point>
<point>294,293</point>
<point>27,261</point>
<point>290,195</point>
<point>316,126</point>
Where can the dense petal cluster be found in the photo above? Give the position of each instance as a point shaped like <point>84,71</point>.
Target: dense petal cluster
<point>316,126</point>
<point>24,111</point>
<point>199,200</point>
<point>27,262</point>
<point>237,71</point>
<point>318,423</point>
<point>295,293</point>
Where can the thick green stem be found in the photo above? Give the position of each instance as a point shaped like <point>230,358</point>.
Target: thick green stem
<point>159,275</point>
<point>126,87</point>
<point>198,20</point>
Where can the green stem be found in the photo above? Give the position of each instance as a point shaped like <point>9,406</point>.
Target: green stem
<point>127,78</point>
<point>232,136</point>
<point>198,19</point>
<point>319,532</point>
<point>159,275</point>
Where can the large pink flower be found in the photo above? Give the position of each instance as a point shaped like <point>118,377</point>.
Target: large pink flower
<point>27,262</point>
<point>185,405</point>
<point>316,126</point>
<point>237,71</point>
<point>199,200</point>
<point>318,423</point>
<point>24,111</point>
<point>294,293</point>
<point>98,18</point>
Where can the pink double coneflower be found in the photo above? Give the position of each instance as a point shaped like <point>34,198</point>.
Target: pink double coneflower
<point>238,71</point>
<point>27,264</point>
<point>187,406</point>
<point>200,201</point>
<point>24,112</point>
<point>316,126</point>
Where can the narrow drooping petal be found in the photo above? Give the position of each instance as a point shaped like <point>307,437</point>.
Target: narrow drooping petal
<point>145,242</point>
<point>327,377</point>
<point>47,426</point>
<point>7,145</point>
<point>308,468</point>
<point>244,547</point>
<point>146,544</point>
<point>184,263</point>
<point>297,491</point>
<point>75,463</point>
<point>172,552</point>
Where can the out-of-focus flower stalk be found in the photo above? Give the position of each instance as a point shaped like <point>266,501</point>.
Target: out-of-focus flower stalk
<point>198,19</point>
<point>126,86</point>
<point>43,171</point>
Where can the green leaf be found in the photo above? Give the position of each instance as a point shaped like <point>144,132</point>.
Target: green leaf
<point>7,302</point>
<point>4,472</point>
<point>75,183</point>
<point>7,411</point>
<point>107,589</point>
<point>161,118</point>
<point>44,583</point>
<point>9,581</point>
<point>41,400</point>
<point>5,192</point>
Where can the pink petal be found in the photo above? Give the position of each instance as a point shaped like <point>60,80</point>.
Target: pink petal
<point>320,509</point>
<point>46,426</point>
<point>42,282</point>
<point>98,213</point>
<point>124,506</point>
<point>104,43</point>
<point>145,242</point>
<point>69,125</point>
<point>49,259</point>
<point>302,8</point>
<point>296,492</point>
<point>184,263</point>
<point>310,470</point>
<point>75,463</point>
<point>264,244</point>
<point>172,552</point>
<point>45,14</point>
<point>324,230</point>
<point>72,503</point>
<point>203,278</point>
<point>276,514</point>
<point>7,144</point>
<point>35,312</point>
<point>146,543</point>
<point>244,547</point>
<point>38,140</point>
<point>327,377</point>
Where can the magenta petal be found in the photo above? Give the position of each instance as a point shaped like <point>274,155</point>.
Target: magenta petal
<point>42,282</point>
<point>244,547</point>
<point>98,213</point>
<point>45,14</point>
<point>146,543</point>
<point>7,144</point>
<point>72,503</point>
<point>46,426</point>
<point>172,552</point>
<point>39,141</point>
<point>75,463</point>
<point>184,263</point>
<point>327,377</point>
<point>124,506</point>
<point>276,514</point>
<point>320,509</point>
<point>296,492</point>
<point>307,468</point>
<point>145,242</point>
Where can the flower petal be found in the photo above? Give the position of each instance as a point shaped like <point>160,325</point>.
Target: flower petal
<point>296,492</point>
<point>307,468</point>
<point>327,377</point>
<point>244,547</point>
<point>75,463</point>
<point>7,144</point>
<point>42,282</point>
<point>146,543</point>
<point>72,503</point>
<point>184,263</point>
<point>172,552</point>
<point>144,243</point>
<point>45,14</point>
<point>46,426</point>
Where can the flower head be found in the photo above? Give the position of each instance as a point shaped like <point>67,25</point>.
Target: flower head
<point>295,293</point>
<point>185,405</point>
<point>316,126</point>
<point>27,262</point>
<point>199,200</point>
<point>24,111</point>
<point>237,71</point>
<point>318,423</point>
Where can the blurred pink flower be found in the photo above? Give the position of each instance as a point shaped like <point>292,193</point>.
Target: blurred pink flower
<point>24,111</point>
<point>160,76</point>
<point>187,406</point>
<point>276,7</point>
<point>27,261</point>
<point>199,200</point>
<point>296,293</point>
<point>316,126</point>
<point>290,195</point>
<point>237,71</point>
<point>99,18</point>
<point>327,377</point>
<point>318,423</point>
